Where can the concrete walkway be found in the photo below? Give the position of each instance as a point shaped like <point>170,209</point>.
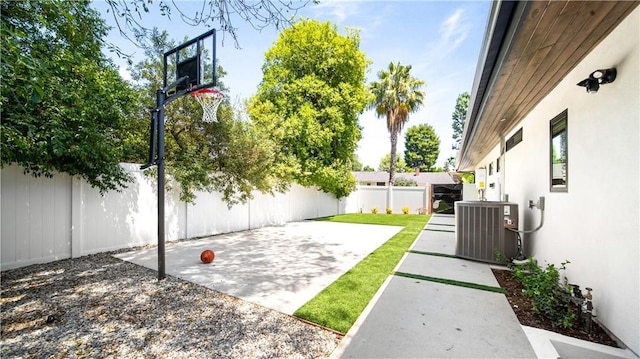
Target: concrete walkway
<point>415,316</point>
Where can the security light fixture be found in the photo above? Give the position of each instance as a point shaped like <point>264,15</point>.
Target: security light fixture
<point>597,78</point>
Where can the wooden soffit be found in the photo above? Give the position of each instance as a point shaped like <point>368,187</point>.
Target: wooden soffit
<point>545,40</point>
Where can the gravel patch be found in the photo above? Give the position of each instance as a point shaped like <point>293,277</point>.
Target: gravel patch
<point>101,306</point>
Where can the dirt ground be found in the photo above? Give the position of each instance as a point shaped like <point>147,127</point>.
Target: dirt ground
<point>523,308</point>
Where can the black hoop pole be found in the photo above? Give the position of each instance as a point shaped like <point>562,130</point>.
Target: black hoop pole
<point>160,97</point>
<point>157,142</point>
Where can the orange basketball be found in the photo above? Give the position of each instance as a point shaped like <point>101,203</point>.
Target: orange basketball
<point>207,256</point>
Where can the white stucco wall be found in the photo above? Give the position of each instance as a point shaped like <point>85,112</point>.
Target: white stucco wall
<point>596,224</point>
<point>493,182</point>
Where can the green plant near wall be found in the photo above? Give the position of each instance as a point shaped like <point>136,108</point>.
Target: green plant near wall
<point>405,210</point>
<point>550,297</point>
<point>374,210</point>
<point>389,210</point>
<point>500,257</point>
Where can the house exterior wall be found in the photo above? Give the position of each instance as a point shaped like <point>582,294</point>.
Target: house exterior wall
<point>596,224</point>
<point>364,183</point>
<point>493,182</point>
<point>469,192</point>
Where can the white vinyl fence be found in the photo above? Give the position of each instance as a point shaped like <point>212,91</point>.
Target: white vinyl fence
<point>383,197</point>
<point>47,219</point>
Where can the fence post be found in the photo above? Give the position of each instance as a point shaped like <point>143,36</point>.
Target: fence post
<point>389,199</point>
<point>426,202</point>
<point>77,209</point>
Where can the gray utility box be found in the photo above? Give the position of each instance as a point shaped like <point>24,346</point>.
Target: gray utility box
<point>482,227</point>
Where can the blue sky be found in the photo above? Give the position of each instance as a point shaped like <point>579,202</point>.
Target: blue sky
<point>440,39</point>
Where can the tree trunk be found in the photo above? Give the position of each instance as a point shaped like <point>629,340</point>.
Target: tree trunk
<point>393,159</point>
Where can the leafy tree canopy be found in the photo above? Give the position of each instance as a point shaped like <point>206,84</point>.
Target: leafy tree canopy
<point>63,103</point>
<point>458,116</point>
<point>229,156</point>
<point>405,182</point>
<point>422,147</point>
<point>309,100</point>
<point>356,165</point>
<point>401,166</point>
<point>450,164</point>
<point>368,168</point>
<point>467,177</point>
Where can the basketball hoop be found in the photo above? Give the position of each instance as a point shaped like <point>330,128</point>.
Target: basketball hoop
<point>209,99</point>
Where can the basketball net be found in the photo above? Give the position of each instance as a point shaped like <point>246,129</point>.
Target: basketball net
<point>209,99</point>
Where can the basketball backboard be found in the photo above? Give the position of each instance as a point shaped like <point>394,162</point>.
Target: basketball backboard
<point>195,58</point>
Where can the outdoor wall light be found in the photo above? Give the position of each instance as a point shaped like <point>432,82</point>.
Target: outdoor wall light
<point>597,78</point>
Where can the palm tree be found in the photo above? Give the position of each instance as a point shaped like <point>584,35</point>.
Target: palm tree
<point>395,96</point>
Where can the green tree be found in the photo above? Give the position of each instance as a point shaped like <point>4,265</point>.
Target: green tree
<point>458,116</point>
<point>313,90</point>
<point>450,164</point>
<point>229,156</point>
<point>401,166</point>
<point>63,103</point>
<point>405,182</point>
<point>368,168</point>
<point>422,147</point>
<point>395,96</point>
<point>356,165</point>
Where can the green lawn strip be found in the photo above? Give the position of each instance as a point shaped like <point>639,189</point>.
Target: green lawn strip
<point>370,218</point>
<point>341,303</point>
<point>438,230</point>
<point>452,282</point>
<point>433,254</point>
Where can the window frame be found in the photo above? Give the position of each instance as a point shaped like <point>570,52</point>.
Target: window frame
<point>515,139</point>
<point>562,119</point>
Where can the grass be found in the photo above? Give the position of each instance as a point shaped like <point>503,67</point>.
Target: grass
<point>487,288</point>
<point>340,304</point>
<point>433,254</point>
<point>385,219</point>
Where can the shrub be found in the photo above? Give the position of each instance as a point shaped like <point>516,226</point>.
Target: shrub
<point>374,210</point>
<point>502,258</point>
<point>550,298</point>
<point>389,211</point>
<point>405,210</point>
<point>405,182</point>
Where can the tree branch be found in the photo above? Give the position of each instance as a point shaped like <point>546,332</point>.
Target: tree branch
<point>218,14</point>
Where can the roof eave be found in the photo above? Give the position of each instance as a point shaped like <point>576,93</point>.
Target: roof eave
<point>499,33</point>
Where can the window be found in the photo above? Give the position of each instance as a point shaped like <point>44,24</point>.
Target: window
<point>490,168</point>
<point>515,139</point>
<point>558,170</point>
<point>498,165</point>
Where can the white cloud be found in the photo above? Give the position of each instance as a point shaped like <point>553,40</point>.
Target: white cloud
<point>453,30</point>
<point>451,34</point>
<point>338,9</point>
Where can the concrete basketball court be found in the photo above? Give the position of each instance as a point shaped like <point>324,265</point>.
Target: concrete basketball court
<point>278,267</point>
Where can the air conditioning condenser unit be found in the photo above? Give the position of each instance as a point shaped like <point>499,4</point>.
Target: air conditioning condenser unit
<point>486,228</point>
